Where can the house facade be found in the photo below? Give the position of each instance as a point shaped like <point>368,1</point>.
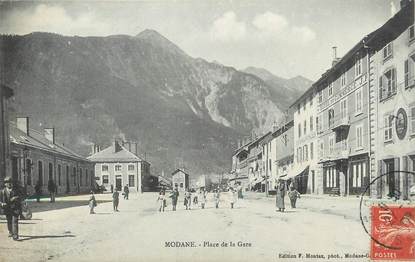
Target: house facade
<point>306,168</point>
<point>180,180</point>
<point>284,143</point>
<point>116,166</point>
<point>393,105</point>
<point>5,94</point>
<point>36,157</point>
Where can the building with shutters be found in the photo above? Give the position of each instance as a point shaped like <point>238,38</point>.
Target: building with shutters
<point>392,105</point>
<point>119,165</point>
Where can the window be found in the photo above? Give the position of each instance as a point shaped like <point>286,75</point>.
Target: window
<point>411,33</point>
<point>388,127</point>
<point>359,101</point>
<point>412,120</point>
<point>358,67</point>
<point>409,69</point>
<point>299,130</point>
<point>359,137</point>
<point>387,84</point>
<point>343,79</point>
<point>320,96</point>
<point>74,176</point>
<point>40,172</point>
<point>305,150</point>
<point>181,185</point>
<point>387,51</point>
<point>331,117</point>
<point>311,123</point>
<point>318,124</point>
<point>331,177</point>
<point>343,109</point>
<point>311,101</point>
<point>131,181</point>
<point>50,171</point>
<point>305,127</point>
<point>300,152</point>
<point>321,149</point>
<point>29,171</point>
<point>311,151</point>
<point>104,168</point>
<point>305,104</point>
<point>330,89</point>
<point>130,167</point>
<point>118,167</point>
<point>59,174</point>
<point>80,177</point>
<point>105,179</point>
<point>331,145</point>
<point>86,177</point>
<point>298,107</point>
<point>269,165</point>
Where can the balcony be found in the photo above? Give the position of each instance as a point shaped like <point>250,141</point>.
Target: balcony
<point>340,151</point>
<point>341,124</point>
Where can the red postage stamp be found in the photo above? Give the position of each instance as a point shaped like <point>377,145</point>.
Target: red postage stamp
<point>393,233</point>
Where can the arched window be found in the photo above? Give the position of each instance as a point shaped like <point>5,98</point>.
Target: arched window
<point>40,172</point>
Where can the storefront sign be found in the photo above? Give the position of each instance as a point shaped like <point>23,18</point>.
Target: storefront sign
<point>401,123</point>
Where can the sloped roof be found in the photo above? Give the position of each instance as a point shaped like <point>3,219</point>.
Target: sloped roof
<point>177,171</point>
<point>109,155</point>
<point>36,139</point>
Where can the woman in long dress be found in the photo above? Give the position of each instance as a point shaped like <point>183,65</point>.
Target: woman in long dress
<point>92,203</point>
<point>202,198</point>
<point>162,200</point>
<point>280,196</point>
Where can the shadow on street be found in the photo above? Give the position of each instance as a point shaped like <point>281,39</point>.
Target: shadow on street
<point>46,206</point>
<point>24,238</point>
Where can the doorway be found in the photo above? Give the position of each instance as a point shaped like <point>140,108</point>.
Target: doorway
<point>118,182</point>
<point>390,177</point>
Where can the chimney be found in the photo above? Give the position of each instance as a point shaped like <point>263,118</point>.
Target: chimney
<point>50,134</point>
<point>404,3</point>
<point>23,124</point>
<point>335,58</point>
<point>117,147</point>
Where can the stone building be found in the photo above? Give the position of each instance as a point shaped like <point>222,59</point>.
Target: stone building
<point>117,166</point>
<point>37,157</point>
<point>180,180</point>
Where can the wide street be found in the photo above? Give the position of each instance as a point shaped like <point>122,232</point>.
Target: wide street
<point>64,231</point>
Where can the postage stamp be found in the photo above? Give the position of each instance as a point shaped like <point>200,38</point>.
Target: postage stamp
<point>392,232</point>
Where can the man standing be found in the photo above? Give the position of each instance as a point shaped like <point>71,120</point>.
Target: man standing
<point>126,191</point>
<point>115,199</point>
<point>10,200</point>
<point>38,190</point>
<point>174,197</point>
<point>52,190</point>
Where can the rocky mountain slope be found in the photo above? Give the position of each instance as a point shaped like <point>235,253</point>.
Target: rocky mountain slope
<point>142,88</point>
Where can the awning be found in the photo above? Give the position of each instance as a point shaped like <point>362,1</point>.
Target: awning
<point>295,172</point>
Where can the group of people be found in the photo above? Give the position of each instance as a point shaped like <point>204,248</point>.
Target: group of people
<point>196,199</point>
<point>115,198</point>
<point>281,189</point>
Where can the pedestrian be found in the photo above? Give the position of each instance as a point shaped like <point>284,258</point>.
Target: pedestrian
<point>293,194</point>
<point>52,190</point>
<point>216,196</point>
<point>187,199</point>
<point>162,200</point>
<point>11,202</point>
<point>232,197</point>
<point>115,200</point>
<point>92,203</point>
<point>239,189</point>
<point>38,191</point>
<point>112,188</point>
<point>280,195</point>
<point>126,191</point>
<point>202,198</point>
<point>195,199</point>
<point>174,197</point>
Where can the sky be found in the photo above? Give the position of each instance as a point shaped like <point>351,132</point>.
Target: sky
<point>286,37</point>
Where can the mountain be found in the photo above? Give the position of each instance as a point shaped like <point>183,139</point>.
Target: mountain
<point>142,88</point>
<point>284,91</point>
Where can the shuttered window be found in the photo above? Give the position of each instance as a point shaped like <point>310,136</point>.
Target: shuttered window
<point>413,120</point>
<point>387,84</point>
<point>388,127</point>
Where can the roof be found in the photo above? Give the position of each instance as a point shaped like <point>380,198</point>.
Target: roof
<point>37,140</point>
<point>373,41</point>
<point>109,155</point>
<point>177,171</point>
<point>8,92</point>
<point>283,128</point>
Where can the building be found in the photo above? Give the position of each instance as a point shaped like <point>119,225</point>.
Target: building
<point>306,166</point>
<point>284,143</point>
<point>247,164</point>
<point>36,157</point>
<point>117,166</point>
<point>5,94</point>
<point>392,105</point>
<point>180,179</point>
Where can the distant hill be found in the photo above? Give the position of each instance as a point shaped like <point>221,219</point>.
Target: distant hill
<point>143,88</point>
